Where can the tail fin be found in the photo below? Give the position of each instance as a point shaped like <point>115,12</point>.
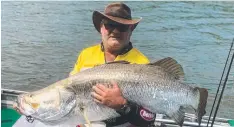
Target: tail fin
<point>202,104</point>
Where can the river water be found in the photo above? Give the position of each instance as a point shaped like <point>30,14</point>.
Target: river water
<point>41,40</point>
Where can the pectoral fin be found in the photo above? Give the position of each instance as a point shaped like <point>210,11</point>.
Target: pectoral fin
<point>83,111</point>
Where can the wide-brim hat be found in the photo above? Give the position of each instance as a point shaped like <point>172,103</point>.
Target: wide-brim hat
<point>118,12</point>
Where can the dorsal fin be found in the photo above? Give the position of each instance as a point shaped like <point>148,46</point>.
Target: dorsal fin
<point>171,66</point>
<point>120,61</point>
<point>114,62</point>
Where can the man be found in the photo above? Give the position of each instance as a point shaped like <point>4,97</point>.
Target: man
<point>115,26</point>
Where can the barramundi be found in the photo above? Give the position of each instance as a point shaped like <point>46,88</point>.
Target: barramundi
<point>158,87</point>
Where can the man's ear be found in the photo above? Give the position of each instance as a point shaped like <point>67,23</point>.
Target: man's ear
<point>102,29</point>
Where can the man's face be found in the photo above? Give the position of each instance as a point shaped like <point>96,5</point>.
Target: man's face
<point>115,36</point>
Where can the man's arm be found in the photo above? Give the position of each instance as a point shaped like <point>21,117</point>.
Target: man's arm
<point>113,98</point>
<point>78,65</point>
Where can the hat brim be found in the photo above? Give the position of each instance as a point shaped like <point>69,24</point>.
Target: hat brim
<point>98,16</point>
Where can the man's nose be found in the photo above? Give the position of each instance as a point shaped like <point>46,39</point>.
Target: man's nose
<point>115,30</point>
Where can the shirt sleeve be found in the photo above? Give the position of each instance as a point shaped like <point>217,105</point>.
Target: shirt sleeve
<point>78,65</point>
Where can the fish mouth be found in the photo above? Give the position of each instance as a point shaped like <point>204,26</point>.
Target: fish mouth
<point>21,103</point>
<point>18,104</point>
<point>19,100</point>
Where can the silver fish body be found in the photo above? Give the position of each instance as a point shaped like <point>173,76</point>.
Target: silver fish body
<point>157,87</point>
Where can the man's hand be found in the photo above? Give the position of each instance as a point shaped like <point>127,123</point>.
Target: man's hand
<point>111,97</point>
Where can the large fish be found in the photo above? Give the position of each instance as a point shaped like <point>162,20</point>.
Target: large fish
<point>158,87</point>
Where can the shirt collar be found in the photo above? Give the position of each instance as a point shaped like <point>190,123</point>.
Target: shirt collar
<point>123,51</point>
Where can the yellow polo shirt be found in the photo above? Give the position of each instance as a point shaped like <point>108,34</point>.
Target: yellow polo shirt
<point>93,55</point>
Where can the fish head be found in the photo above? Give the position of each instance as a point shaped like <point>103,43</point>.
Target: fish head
<point>47,105</point>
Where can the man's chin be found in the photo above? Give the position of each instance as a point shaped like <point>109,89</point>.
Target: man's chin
<point>115,44</point>
<point>116,47</point>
